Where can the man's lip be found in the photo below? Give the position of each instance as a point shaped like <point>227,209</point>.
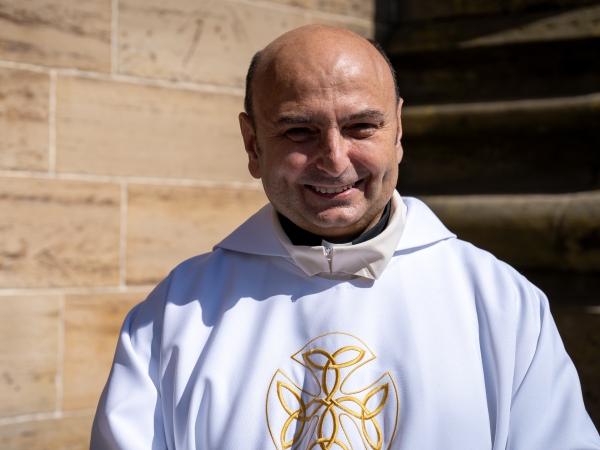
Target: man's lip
<point>352,187</point>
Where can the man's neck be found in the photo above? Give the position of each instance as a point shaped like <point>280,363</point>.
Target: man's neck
<point>299,236</point>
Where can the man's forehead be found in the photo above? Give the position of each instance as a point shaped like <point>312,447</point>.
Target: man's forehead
<point>318,52</point>
<point>317,38</point>
<point>325,63</point>
<point>285,108</point>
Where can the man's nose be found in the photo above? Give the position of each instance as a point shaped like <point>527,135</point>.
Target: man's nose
<point>334,157</point>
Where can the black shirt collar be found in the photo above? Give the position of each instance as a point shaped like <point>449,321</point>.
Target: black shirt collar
<point>299,236</point>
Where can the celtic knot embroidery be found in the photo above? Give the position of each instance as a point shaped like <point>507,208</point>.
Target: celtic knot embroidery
<point>305,422</point>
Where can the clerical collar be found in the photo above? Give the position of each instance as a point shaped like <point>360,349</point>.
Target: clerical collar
<point>343,262</point>
<point>300,236</point>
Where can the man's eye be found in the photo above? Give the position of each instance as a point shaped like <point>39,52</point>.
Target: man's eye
<point>300,133</point>
<point>362,129</point>
<point>364,126</point>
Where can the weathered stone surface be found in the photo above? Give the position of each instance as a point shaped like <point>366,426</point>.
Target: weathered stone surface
<point>415,10</point>
<point>167,225</point>
<point>58,233</point>
<point>28,354</point>
<point>24,98</point>
<point>502,147</point>
<point>496,30</point>
<point>577,24</point>
<point>206,41</point>
<point>580,333</point>
<point>528,231</point>
<point>365,9</point>
<point>57,33</point>
<point>366,30</point>
<point>92,324</point>
<point>500,72</point>
<point>578,237</point>
<point>69,433</point>
<point>116,128</point>
<point>567,289</point>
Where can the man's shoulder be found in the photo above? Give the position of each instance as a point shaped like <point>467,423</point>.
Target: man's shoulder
<point>424,230</point>
<point>216,259</point>
<point>491,277</point>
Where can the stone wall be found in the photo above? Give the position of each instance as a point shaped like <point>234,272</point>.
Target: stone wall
<point>120,157</point>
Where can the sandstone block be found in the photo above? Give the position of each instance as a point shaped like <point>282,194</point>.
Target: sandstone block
<point>209,41</point>
<point>528,231</point>
<point>167,225</point>
<point>435,9</point>
<point>28,354</point>
<point>113,128</point>
<point>24,113</point>
<point>357,8</point>
<point>92,324</point>
<point>57,33</point>
<point>69,433</point>
<point>58,233</point>
<point>366,30</point>
<point>364,9</point>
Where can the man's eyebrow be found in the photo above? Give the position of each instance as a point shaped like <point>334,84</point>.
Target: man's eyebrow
<point>293,120</point>
<point>368,114</point>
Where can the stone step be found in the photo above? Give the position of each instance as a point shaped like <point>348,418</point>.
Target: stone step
<point>487,31</point>
<point>426,10</point>
<point>567,289</point>
<point>530,232</point>
<point>500,72</point>
<point>523,146</point>
<point>538,54</point>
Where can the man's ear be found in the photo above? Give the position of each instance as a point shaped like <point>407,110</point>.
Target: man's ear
<point>250,144</point>
<point>399,150</point>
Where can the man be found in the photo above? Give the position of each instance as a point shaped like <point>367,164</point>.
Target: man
<point>340,315</point>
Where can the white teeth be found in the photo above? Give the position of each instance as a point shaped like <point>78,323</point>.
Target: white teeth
<point>331,190</point>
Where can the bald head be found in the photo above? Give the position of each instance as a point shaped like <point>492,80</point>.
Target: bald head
<point>306,47</point>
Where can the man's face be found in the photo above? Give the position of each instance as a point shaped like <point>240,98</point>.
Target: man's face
<point>326,137</point>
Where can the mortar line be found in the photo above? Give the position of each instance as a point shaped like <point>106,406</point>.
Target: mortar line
<point>131,79</point>
<point>141,289</point>
<point>52,123</point>
<point>131,180</point>
<point>123,235</point>
<point>46,416</point>
<point>60,367</point>
<point>114,36</point>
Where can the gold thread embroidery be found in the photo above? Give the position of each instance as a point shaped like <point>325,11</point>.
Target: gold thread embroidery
<point>331,401</point>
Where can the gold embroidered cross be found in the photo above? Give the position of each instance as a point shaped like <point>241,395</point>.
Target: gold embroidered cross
<point>331,402</point>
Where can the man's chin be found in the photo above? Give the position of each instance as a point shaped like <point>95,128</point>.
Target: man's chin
<point>334,219</point>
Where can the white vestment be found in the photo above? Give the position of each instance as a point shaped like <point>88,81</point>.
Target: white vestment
<point>440,347</point>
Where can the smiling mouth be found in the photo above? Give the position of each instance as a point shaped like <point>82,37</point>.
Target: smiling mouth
<point>333,190</point>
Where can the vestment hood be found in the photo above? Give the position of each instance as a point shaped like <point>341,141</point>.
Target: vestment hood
<point>257,235</point>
